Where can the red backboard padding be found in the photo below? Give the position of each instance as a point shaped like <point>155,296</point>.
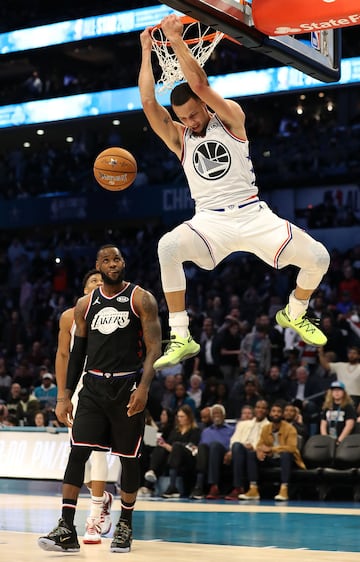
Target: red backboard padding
<point>290,17</point>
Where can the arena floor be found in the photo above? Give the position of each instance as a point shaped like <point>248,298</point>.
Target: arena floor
<point>185,530</point>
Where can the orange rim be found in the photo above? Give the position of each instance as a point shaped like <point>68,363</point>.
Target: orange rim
<point>185,20</point>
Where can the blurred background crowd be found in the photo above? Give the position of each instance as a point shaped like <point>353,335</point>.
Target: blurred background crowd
<point>232,314</point>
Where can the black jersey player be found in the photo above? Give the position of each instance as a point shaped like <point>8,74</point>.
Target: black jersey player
<point>118,334</point>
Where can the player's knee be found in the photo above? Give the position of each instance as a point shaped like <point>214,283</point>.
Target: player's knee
<point>314,264</point>
<point>99,466</point>
<point>322,257</point>
<point>130,475</point>
<point>168,248</point>
<point>74,473</point>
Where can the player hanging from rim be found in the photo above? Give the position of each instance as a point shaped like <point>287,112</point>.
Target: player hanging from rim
<point>214,151</point>
<point>96,469</point>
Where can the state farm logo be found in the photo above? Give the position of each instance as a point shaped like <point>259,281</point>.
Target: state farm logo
<point>353,19</point>
<point>107,320</point>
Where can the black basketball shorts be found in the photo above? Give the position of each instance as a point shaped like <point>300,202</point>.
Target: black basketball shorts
<point>101,421</point>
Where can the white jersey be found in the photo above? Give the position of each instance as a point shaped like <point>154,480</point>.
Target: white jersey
<point>218,167</point>
<point>72,334</point>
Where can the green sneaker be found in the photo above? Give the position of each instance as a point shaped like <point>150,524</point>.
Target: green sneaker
<point>178,349</point>
<point>303,325</point>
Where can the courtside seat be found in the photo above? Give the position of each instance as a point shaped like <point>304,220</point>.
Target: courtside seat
<point>345,472</point>
<point>318,455</point>
<point>319,452</point>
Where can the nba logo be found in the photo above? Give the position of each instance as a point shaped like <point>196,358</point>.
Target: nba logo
<point>315,40</point>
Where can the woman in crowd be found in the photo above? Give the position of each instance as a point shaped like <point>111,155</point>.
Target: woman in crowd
<point>176,452</point>
<point>338,413</point>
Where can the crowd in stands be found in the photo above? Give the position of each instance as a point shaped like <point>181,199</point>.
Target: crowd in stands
<point>280,160</point>
<point>246,364</point>
<point>40,12</point>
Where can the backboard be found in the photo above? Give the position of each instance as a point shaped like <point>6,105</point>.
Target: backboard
<point>317,54</point>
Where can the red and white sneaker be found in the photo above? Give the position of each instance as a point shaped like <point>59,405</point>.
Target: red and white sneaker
<point>105,516</point>
<point>92,531</point>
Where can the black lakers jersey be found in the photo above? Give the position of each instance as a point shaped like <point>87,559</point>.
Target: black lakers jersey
<point>114,332</point>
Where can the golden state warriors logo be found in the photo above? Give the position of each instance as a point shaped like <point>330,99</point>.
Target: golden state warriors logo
<point>211,160</point>
<point>107,320</point>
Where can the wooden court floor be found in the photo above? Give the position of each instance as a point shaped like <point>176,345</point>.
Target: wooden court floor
<point>185,531</point>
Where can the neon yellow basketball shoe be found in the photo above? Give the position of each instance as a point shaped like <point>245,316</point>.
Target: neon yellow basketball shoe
<point>303,325</point>
<point>178,349</point>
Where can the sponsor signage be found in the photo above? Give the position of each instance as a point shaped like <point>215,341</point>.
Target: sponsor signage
<point>281,17</point>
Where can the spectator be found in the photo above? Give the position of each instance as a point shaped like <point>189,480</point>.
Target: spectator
<point>166,423</point>
<point>173,452</point>
<point>244,439</point>
<point>222,394</point>
<point>247,413</point>
<point>27,406</point>
<point>257,346</point>
<point>290,364</point>
<point>275,388</point>
<point>164,427</point>
<point>46,393</point>
<point>275,336</point>
<point>24,375</point>
<point>168,396</point>
<point>5,380</point>
<point>209,394</point>
<point>4,414</point>
<point>34,85</point>
<point>229,352</point>
<point>277,446</point>
<point>353,321</point>
<point>346,372</point>
<point>205,417</point>
<point>37,356</point>
<point>181,398</point>
<point>338,413</point>
<point>213,445</point>
<point>306,393</point>
<point>293,416</point>
<point>350,284</point>
<point>344,304</point>
<point>13,333</point>
<point>195,389</point>
<point>336,341</point>
<point>207,360</point>
<point>239,398</point>
<point>13,398</point>
<point>40,419</point>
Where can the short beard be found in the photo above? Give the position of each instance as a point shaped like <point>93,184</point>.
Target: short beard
<point>275,419</point>
<point>109,281</point>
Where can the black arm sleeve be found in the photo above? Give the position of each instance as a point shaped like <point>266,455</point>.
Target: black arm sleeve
<point>76,362</point>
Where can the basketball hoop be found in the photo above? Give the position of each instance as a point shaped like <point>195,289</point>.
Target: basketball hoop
<point>201,43</point>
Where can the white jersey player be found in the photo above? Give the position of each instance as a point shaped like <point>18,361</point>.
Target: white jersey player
<point>214,151</point>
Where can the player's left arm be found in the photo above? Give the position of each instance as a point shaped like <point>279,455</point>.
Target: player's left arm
<point>230,112</point>
<point>146,306</point>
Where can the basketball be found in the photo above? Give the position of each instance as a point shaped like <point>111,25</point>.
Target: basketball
<point>115,169</point>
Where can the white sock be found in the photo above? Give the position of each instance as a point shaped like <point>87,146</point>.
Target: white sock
<point>96,506</point>
<point>179,323</point>
<point>297,307</point>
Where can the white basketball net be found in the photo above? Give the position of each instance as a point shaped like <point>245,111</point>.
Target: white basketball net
<point>201,48</point>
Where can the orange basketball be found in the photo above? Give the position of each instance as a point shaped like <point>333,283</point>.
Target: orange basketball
<point>115,169</point>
